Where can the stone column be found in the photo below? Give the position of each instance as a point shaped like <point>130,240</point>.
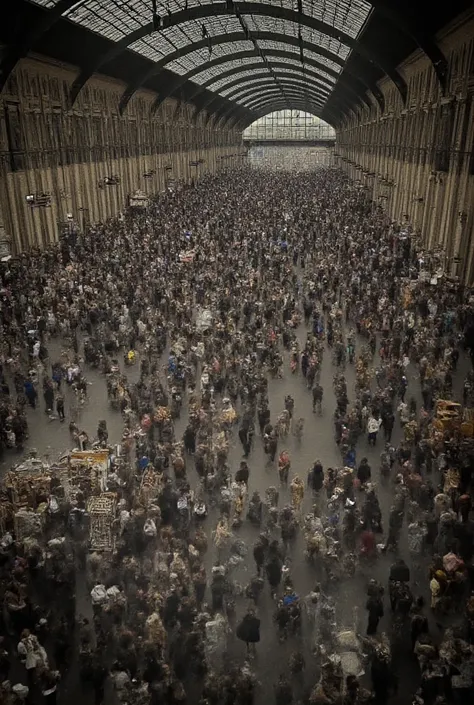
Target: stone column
<point>5,240</point>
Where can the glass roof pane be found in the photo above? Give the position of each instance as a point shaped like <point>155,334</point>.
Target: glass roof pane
<point>268,44</point>
<point>189,32</point>
<point>112,19</point>
<point>281,87</point>
<point>115,19</point>
<point>257,74</point>
<point>201,57</point>
<point>272,24</point>
<point>347,15</point>
<point>259,77</point>
<point>255,100</point>
<point>216,71</point>
<point>292,64</point>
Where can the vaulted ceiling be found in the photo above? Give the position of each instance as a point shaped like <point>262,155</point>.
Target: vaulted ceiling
<point>237,60</point>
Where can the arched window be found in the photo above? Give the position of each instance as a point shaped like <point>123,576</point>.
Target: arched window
<point>289,125</point>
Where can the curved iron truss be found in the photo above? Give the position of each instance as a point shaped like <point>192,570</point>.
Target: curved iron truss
<point>224,52</point>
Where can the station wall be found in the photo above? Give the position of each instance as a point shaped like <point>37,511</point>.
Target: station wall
<point>416,160</point>
<point>47,148</point>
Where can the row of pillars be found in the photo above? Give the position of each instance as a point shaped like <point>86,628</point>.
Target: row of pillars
<point>437,204</point>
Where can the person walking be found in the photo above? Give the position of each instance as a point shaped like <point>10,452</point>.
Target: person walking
<point>373,426</point>
<point>249,630</point>
<point>30,393</point>
<point>374,606</point>
<point>60,407</point>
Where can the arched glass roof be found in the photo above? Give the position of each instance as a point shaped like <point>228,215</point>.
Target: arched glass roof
<point>117,19</point>
<point>289,125</point>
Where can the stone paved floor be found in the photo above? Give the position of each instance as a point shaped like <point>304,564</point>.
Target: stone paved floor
<point>318,442</point>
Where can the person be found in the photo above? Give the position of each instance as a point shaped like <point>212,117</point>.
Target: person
<point>374,607</point>
<point>4,660</point>
<point>399,571</point>
<point>418,621</point>
<point>243,473</point>
<point>283,691</point>
<point>129,290</point>
<point>260,552</point>
<point>373,426</point>
<point>30,393</point>
<point>364,472</point>
<point>317,398</point>
<point>388,422</point>
<point>48,394</point>
<point>32,655</point>
<point>248,629</point>
<point>60,407</point>
<point>273,569</point>
<point>316,476</point>
<point>49,683</point>
<point>383,678</point>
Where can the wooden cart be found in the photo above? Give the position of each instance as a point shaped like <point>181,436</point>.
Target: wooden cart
<point>450,416</point>
<point>102,510</point>
<point>84,471</point>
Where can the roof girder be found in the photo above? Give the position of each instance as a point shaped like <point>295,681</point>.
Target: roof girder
<point>332,119</point>
<point>251,96</point>
<point>289,95</point>
<point>341,82</point>
<point>232,38</point>
<point>410,23</point>
<point>200,12</point>
<point>233,120</point>
<point>258,78</point>
<point>242,91</point>
<point>223,111</point>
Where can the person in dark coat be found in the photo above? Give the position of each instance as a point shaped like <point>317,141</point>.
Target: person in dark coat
<point>242,474</point>
<point>260,552</point>
<point>316,476</point>
<point>273,571</point>
<point>388,421</point>
<point>399,572</point>
<point>189,440</point>
<point>283,692</point>
<point>48,393</point>
<point>249,629</point>
<point>374,607</point>
<point>383,679</point>
<point>364,472</point>
<point>244,437</point>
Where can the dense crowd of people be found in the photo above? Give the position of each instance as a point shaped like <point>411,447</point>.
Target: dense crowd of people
<point>215,294</point>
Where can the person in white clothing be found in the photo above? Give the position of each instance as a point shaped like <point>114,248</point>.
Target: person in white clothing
<point>373,426</point>
<point>32,655</point>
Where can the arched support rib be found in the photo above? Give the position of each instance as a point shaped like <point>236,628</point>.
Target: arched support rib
<point>226,39</point>
<point>201,12</point>
<point>356,89</point>
<point>245,82</point>
<point>403,15</point>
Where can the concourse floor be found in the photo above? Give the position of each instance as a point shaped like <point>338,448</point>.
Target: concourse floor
<point>51,438</point>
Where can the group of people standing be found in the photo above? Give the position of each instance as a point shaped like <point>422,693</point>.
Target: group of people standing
<point>215,316</point>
